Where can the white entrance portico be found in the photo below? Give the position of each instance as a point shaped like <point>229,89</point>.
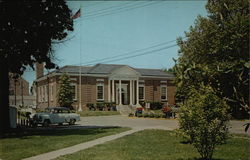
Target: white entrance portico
<point>123,87</point>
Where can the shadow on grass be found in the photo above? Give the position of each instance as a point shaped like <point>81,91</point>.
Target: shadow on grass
<point>197,159</point>
<point>55,131</point>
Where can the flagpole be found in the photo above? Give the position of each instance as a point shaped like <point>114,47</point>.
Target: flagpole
<point>80,68</point>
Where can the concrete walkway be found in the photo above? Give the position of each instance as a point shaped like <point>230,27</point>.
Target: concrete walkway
<point>82,146</point>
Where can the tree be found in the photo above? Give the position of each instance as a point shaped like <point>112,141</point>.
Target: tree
<point>27,28</point>
<point>203,119</point>
<point>216,53</point>
<point>65,94</point>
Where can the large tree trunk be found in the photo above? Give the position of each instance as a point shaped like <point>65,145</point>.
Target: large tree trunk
<point>4,96</point>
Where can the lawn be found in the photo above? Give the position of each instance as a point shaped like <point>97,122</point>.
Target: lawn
<point>159,145</point>
<point>98,113</point>
<point>27,144</point>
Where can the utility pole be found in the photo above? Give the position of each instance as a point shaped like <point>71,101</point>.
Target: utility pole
<point>15,89</point>
<point>48,88</point>
<point>22,91</point>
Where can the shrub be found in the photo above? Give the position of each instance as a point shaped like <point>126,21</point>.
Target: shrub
<point>139,115</point>
<point>151,115</point>
<point>91,106</point>
<point>156,105</point>
<point>203,118</point>
<point>145,115</point>
<point>131,115</point>
<point>157,115</point>
<point>100,106</point>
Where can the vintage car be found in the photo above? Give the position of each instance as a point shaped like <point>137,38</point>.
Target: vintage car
<point>55,115</point>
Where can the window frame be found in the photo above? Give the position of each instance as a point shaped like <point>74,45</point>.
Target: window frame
<point>164,86</point>
<point>142,86</point>
<point>74,85</point>
<point>100,85</point>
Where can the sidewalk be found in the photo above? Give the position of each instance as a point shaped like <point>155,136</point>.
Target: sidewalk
<point>81,146</point>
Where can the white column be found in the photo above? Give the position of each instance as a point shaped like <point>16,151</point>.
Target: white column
<point>130,93</point>
<point>120,92</point>
<point>133,92</point>
<point>108,90</point>
<point>113,90</point>
<point>137,92</point>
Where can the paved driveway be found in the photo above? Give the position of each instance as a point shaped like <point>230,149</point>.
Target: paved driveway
<point>125,121</point>
<point>145,123</point>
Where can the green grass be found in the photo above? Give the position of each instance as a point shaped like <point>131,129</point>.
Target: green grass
<point>30,143</point>
<point>98,113</point>
<point>158,145</point>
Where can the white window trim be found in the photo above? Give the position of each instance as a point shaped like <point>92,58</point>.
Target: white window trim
<point>142,85</point>
<point>73,84</point>
<point>97,85</point>
<point>166,92</point>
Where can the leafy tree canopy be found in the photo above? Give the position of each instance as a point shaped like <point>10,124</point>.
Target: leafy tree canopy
<point>27,29</point>
<point>216,53</point>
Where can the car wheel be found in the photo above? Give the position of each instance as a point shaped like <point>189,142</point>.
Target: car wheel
<point>72,121</point>
<point>46,123</point>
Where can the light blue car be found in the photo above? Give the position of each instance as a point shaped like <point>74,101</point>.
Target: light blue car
<point>55,115</point>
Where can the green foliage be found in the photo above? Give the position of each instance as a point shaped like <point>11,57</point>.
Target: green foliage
<point>91,106</point>
<point>27,30</point>
<point>100,106</point>
<point>216,53</point>
<point>204,118</point>
<point>156,105</point>
<point>65,93</point>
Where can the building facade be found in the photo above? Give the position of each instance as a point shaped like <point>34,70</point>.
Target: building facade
<point>19,93</point>
<point>122,84</point>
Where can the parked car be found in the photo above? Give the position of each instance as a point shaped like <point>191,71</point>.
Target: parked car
<point>55,115</point>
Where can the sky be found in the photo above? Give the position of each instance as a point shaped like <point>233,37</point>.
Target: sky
<point>141,34</point>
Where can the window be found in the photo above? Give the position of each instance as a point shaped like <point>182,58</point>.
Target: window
<point>100,92</point>
<point>43,93</point>
<point>46,93</point>
<point>51,91</point>
<point>39,94</point>
<point>141,92</point>
<point>164,93</point>
<point>74,88</point>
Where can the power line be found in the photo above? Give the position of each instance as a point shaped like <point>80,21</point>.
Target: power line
<point>128,53</point>
<point>103,9</point>
<point>119,11</point>
<point>141,54</point>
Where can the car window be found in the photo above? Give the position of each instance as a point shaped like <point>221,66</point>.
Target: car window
<point>65,111</point>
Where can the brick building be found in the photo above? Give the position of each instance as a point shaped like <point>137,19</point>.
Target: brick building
<point>122,84</point>
<point>19,92</point>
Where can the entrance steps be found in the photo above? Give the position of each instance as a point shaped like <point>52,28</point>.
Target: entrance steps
<point>126,109</point>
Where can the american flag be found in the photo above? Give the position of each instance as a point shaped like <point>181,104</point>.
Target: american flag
<point>77,14</point>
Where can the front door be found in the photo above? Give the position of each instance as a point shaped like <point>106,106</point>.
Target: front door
<point>124,94</point>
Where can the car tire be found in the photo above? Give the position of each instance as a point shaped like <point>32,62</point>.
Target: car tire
<point>72,121</point>
<point>46,123</point>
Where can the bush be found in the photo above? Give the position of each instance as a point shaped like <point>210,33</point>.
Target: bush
<point>100,106</point>
<point>145,115</point>
<point>131,115</point>
<point>157,115</point>
<point>91,106</point>
<point>203,119</point>
<point>156,105</point>
<point>138,115</point>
